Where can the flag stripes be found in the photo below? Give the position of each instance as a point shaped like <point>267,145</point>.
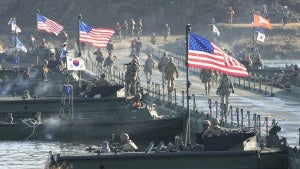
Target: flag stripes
<point>48,25</point>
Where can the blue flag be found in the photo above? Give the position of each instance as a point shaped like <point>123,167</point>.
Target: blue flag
<point>63,52</point>
<point>19,44</point>
<point>260,30</point>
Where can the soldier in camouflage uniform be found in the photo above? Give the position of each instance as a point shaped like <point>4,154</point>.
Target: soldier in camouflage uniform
<point>162,65</point>
<point>215,78</point>
<point>167,31</point>
<point>99,59</point>
<point>215,129</point>
<point>224,90</point>
<point>206,77</point>
<point>170,71</point>
<point>148,68</point>
<point>109,63</point>
<point>131,76</point>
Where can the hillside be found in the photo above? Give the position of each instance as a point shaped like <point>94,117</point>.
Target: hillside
<point>155,13</point>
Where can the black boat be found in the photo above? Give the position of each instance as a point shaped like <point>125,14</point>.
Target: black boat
<point>142,124</point>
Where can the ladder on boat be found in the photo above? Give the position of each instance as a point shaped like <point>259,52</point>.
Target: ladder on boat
<point>66,105</point>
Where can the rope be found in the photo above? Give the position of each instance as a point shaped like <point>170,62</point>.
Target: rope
<point>31,123</point>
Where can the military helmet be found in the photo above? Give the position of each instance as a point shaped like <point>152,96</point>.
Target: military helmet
<point>215,121</point>
<point>206,122</point>
<point>102,75</point>
<point>124,137</point>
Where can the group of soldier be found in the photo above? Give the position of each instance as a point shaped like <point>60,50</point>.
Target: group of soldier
<point>129,28</point>
<point>225,85</point>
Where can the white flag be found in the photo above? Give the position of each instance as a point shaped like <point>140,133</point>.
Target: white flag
<point>261,37</point>
<point>75,64</point>
<point>216,30</point>
<point>15,28</point>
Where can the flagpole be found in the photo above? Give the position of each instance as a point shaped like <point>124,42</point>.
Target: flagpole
<point>79,52</point>
<point>188,84</point>
<point>253,38</point>
<point>37,40</point>
<point>15,50</point>
<point>78,41</point>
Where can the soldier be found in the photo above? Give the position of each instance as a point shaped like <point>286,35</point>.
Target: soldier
<point>170,71</point>
<point>110,46</point>
<point>230,13</point>
<point>26,74</point>
<point>148,68</point>
<point>131,76</point>
<point>162,65</point>
<point>127,144</point>
<point>215,128</point>
<point>99,58</point>
<point>153,39</point>
<point>32,43</point>
<point>65,37</point>
<point>109,63</point>
<point>285,15</point>
<point>215,78</point>
<point>138,46</point>
<point>224,90</point>
<point>45,70</point>
<point>167,31</point>
<point>206,78</point>
<point>140,28</point>
<point>132,26</point>
<point>205,125</point>
<point>125,28</point>
<point>118,30</point>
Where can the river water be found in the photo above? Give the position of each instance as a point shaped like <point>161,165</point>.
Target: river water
<point>32,154</point>
<point>280,63</point>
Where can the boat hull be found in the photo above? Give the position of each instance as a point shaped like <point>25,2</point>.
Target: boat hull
<point>180,160</point>
<point>140,131</point>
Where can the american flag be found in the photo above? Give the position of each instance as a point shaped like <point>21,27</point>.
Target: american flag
<point>98,37</point>
<point>205,54</point>
<point>48,25</point>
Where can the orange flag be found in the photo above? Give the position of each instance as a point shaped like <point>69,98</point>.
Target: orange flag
<point>260,21</point>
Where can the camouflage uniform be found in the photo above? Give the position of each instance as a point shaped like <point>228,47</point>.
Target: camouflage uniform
<point>148,68</point>
<point>215,78</point>
<point>125,28</point>
<point>170,71</point>
<point>110,46</point>
<point>138,46</point>
<point>132,26</point>
<point>118,30</point>
<point>99,59</point>
<point>206,78</point>
<point>128,145</point>
<point>131,76</point>
<point>167,31</point>
<point>215,129</point>
<point>108,63</point>
<point>224,90</point>
<point>162,65</point>
<point>153,39</point>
